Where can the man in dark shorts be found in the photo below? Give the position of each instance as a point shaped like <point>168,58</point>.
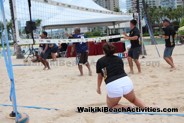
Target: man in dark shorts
<point>46,51</point>
<point>82,52</point>
<point>135,50</point>
<point>169,35</point>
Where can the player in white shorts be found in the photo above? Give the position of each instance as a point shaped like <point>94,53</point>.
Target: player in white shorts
<point>118,84</point>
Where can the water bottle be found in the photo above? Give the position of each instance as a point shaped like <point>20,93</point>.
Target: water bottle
<point>120,55</point>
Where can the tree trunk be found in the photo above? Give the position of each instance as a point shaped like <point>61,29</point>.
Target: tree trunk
<point>17,48</point>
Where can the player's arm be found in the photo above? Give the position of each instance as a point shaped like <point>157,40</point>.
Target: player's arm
<point>165,37</point>
<point>99,83</point>
<point>131,38</point>
<point>69,35</point>
<point>100,76</point>
<point>135,37</point>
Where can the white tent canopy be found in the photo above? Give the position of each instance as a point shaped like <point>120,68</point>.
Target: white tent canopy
<point>83,3</point>
<point>69,17</point>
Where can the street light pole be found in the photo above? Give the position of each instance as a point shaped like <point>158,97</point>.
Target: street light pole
<point>143,51</point>
<point>183,8</point>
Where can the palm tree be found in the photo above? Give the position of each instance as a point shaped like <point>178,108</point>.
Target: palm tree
<point>130,11</point>
<point>38,24</point>
<point>117,9</point>
<point>9,28</point>
<point>19,54</point>
<point>1,28</point>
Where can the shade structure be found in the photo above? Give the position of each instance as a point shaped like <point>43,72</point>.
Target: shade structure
<point>69,17</point>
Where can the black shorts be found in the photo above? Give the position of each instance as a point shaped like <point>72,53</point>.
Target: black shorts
<point>46,54</point>
<point>54,50</point>
<point>82,58</point>
<point>134,53</point>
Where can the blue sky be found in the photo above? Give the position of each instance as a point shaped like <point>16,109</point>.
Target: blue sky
<point>123,5</point>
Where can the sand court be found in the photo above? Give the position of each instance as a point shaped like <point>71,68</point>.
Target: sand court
<point>62,88</point>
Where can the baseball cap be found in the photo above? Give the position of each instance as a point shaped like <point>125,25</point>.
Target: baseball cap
<point>166,20</point>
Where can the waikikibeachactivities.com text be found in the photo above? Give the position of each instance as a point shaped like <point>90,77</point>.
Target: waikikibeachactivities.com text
<point>129,109</point>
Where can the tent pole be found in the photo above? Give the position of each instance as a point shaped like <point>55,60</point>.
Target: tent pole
<point>114,28</point>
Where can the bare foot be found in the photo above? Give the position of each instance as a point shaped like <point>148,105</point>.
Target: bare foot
<point>81,75</point>
<point>173,69</point>
<point>139,72</point>
<point>44,68</point>
<point>131,72</point>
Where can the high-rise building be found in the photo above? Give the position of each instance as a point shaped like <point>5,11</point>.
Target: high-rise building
<point>179,3</point>
<point>171,3</point>
<point>108,4</point>
<point>168,3</point>
<point>153,3</point>
<point>131,4</point>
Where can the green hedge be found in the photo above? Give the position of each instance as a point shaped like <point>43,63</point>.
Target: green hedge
<point>93,34</point>
<point>182,22</point>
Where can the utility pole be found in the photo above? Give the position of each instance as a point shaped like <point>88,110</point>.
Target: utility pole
<point>183,8</point>
<point>19,54</point>
<point>140,29</point>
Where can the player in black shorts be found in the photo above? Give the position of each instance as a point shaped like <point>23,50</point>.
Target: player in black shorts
<point>82,52</point>
<point>135,50</point>
<point>45,52</point>
<point>169,35</point>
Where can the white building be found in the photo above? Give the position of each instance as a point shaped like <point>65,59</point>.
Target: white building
<point>131,4</point>
<point>171,3</point>
<point>108,4</point>
<point>153,3</point>
<point>179,2</point>
<point>168,3</point>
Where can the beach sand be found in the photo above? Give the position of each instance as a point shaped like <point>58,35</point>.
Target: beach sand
<point>62,88</point>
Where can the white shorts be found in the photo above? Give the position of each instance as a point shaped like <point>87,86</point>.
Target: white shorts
<point>119,87</point>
